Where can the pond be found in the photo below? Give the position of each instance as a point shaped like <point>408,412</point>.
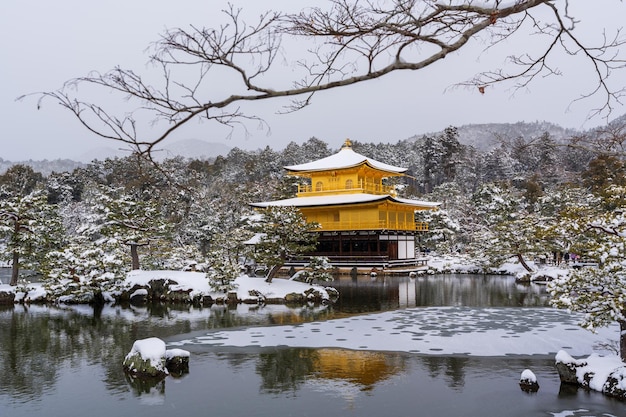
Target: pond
<point>67,361</point>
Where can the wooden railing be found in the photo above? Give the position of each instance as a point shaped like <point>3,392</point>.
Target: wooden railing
<point>374,225</point>
<point>421,227</point>
<point>357,189</point>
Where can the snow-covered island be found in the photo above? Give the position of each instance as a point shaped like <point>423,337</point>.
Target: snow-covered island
<point>187,287</point>
<point>606,374</point>
<point>194,287</point>
<point>149,358</point>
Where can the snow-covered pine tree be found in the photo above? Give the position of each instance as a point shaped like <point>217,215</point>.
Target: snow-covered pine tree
<point>30,227</point>
<point>508,228</point>
<point>445,231</point>
<point>222,271</point>
<point>131,221</point>
<point>599,293</point>
<point>85,270</point>
<point>285,234</point>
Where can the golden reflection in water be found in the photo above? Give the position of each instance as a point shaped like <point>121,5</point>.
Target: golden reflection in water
<point>365,369</point>
<point>348,374</point>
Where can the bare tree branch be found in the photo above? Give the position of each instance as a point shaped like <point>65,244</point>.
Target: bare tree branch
<point>607,140</point>
<point>209,73</point>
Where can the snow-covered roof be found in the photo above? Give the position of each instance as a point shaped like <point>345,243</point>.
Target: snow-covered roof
<point>341,199</point>
<point>416,202</point>
<point>345,158</point>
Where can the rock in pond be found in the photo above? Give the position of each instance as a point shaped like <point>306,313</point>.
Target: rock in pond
<point>177,361</point>
<point>149,358</point>
<point>528,381</point>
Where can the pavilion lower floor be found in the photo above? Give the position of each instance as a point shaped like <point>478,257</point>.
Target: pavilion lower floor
<point>367,248</point>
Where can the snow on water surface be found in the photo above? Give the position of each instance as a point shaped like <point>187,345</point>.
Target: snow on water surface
<point>435,330</point>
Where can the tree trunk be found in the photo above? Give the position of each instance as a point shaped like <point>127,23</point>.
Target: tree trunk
<point>275,268</point>
<point>15,271</point>
<point>520,257</point>
<point>272,273</point>
<point>98,298</point>
<point>622,340</point>
<point>134,256</point>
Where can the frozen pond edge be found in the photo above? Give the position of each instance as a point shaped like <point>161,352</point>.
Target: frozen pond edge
<point>432,331</point>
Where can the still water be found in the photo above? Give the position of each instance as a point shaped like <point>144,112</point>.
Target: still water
<point>67,361</point>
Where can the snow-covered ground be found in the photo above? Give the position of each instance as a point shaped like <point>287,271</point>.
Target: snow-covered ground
<point>463,264</point>
<point>199,284</point>
<point>195,283</point>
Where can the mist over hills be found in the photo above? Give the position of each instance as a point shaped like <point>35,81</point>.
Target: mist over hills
<point>486,136</point>
<point>186,148</point>
<point>483,137</point>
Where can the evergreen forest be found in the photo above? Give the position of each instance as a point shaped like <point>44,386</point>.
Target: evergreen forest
<point>530,198</point>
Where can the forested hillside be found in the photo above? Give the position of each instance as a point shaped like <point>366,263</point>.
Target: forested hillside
<point>526,197</point>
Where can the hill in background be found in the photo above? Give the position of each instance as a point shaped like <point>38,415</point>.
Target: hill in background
<point>192,148</point>
<point>487,136</point>
<point>483,137</point>
<point>188,148</point>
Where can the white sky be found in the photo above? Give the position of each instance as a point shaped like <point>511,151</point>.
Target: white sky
<point>45,43</point>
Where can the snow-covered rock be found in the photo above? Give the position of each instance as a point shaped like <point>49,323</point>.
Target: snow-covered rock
<point>7,297</point>
<point>150,358</point>
<point>605,374</point>
<point>193,287</point>
<point>177,361</point>
<point>528,381</point>
<point>147,358</point>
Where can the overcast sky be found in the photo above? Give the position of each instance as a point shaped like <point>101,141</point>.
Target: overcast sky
<point>45,43</point>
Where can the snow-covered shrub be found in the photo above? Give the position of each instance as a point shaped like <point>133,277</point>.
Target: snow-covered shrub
<point>318,270</point>
<point>222,272</point>
<point>85,270</point>
<point>23,286</point>
<point>163,255</point>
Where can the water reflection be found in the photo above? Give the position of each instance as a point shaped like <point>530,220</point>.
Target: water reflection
<point>365,294</point>
<point>38,340</point>
<point>452,369</point>
<point>286,370</point>
<point>151,391</point>
<point>58,360</point>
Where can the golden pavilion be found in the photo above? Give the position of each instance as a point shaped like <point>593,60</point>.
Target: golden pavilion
<point>362,220</point>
